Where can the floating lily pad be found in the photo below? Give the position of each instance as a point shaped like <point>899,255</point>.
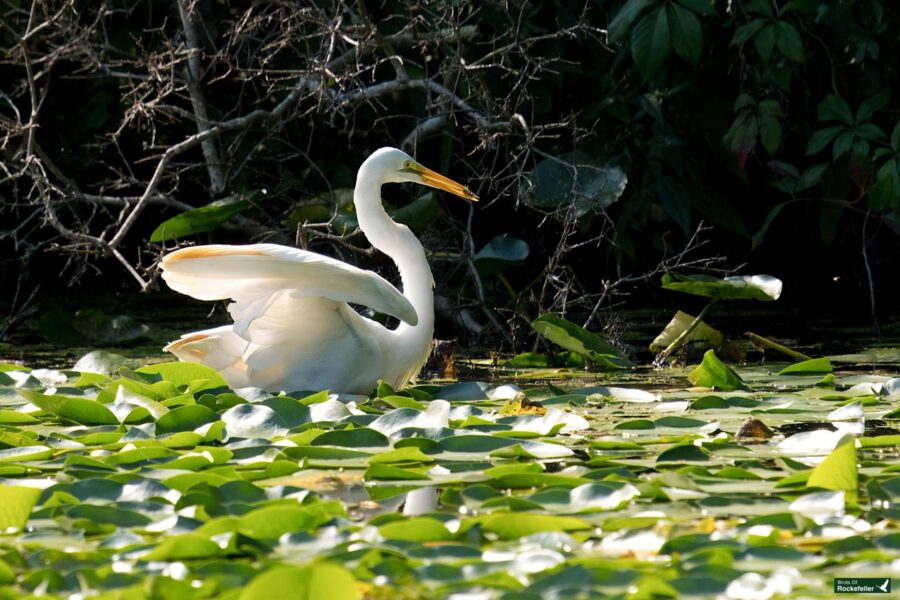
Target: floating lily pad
<point>581,341</point>
<point>713,373</point>
<point>736,287</point>
<point>500,253</point>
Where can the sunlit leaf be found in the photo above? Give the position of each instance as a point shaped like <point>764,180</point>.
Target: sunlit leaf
<point>713,373</point>
<point>736,287</point>
<point>198,220</point>
<point>320,580</point>
<point>16,503</point>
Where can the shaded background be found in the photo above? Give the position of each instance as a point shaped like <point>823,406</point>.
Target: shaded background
<point>772,125</point>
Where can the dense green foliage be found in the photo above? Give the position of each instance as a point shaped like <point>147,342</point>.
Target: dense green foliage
<point>160,482</point>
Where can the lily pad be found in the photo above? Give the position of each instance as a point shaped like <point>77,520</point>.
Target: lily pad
<point>735,287</point>
<point>713,373</point>
<point>577,339</point>
<point>500,253</point>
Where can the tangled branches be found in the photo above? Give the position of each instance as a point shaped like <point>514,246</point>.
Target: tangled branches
<point>123,113</point>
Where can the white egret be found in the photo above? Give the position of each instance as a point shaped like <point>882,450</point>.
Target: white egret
<point>293,326</point>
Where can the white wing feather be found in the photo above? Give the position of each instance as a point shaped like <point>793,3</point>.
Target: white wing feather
<point>251,274</point>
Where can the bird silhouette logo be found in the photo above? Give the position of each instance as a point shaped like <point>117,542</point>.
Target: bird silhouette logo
<point>884,586</point>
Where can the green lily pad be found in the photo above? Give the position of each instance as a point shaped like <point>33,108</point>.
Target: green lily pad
<point>320,580</point>
<point>815,366</point>
<point>713,373</point>
<point>72,408</point>
<point>838,471</point>
<point>577,339</point>
<point>500,253</point>
<point>736,287</point>
<point>16,504</point>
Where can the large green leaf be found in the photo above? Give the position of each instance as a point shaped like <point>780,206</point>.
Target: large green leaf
<point>16,503</point>
<point>650,42</point>
<point>838,471</point>
<point>571,180</point>
<point>621,23</point>
<point>687,36</point>
<point>198,220</point>
<point>185,373</point>
<point>185,418</point>
<point>713,373</point>
<point>577,339</point>
<point>702,333</point>
<point>815,366</point>
<point>511,526</point>
<point>313,582</point>
<point>72,408</point>
<point>736,287</point>
<point>500,253</point>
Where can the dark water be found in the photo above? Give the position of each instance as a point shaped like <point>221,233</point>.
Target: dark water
<point>852,338</point>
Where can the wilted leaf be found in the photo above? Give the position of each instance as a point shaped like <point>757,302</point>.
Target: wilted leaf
<point>709,336</point>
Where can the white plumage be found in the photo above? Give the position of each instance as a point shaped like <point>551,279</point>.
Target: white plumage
<point>293,328</point>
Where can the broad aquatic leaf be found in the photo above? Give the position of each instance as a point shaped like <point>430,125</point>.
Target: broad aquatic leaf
<point>16,504</point>
<point>577,339</point>
<point>500,253</point>
<point>312,582</point>
<point>815,366</point>
<point>511,526</point>
<point>253,421</point>
<point>185,418</point>
<point>713,373</point>
<point>703,333</point>
<point>838,471</point>
<point>736,287</point>
<point>198,220</point>
<point>104,363</point>
<point>72,408</point>
<point>417,529</point>
<point>572,181</point>
<point>185,373</point>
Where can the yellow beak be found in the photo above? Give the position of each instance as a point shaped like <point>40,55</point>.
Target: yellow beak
<point>436,180</point>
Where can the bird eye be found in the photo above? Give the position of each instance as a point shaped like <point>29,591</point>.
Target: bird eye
<point>407,165</point>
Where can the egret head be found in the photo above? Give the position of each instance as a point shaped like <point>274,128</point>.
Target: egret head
<point>400,167</point>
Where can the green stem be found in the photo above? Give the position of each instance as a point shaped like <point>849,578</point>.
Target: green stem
<point>767,343</point>
<point>682,337</point>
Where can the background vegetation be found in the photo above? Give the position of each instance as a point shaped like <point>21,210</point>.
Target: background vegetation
<point>773,124</point>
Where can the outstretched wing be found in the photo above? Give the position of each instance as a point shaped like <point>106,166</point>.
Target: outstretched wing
<point>252,274</point>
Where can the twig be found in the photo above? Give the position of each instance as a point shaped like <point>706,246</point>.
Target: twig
<point>773,345</point>
<point>869,277</point>
<point>198,98</point>
<point>476,278</point>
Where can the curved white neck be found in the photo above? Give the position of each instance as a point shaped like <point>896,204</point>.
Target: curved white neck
<point>399,243</point>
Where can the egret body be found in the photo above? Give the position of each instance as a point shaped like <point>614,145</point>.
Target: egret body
<point>293,327</point>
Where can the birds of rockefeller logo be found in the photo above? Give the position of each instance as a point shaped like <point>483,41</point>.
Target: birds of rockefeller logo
<point>861,585</point>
